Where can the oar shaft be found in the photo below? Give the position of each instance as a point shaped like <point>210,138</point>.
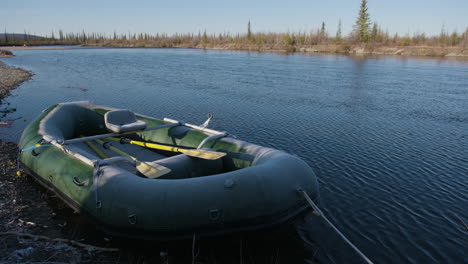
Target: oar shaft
<point>116,150</point>
<point>155,146</point>
<point>197,153</point>
<point>96,150</point>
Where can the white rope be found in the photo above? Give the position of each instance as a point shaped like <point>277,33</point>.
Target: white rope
<point>193,248</point>
<point>318,212</point>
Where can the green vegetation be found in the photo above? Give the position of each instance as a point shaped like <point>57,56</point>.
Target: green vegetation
<point>338,37</point>
<point>366,34</point>
<point>205,38</point>
<point>376,36</point>
<point>361,28</point>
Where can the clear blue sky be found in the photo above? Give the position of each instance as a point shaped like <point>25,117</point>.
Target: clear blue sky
<point>152,16</point>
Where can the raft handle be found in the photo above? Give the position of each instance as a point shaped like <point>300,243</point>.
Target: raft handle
<point>214,214</point>
<point>78,183</point>
<point>212,137</point>
<point>132,219</point>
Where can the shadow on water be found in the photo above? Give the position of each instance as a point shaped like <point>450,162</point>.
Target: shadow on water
<point>283,244</point>
<point>306,239</point>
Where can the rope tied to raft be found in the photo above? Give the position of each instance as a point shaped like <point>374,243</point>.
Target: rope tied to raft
<point>319,212</point>
<point>39,144</point>
<point>96,173</point>
<point>194,255</point>
<point>18,164</point>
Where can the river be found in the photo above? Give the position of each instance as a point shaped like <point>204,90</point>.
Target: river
<point>386,136</point>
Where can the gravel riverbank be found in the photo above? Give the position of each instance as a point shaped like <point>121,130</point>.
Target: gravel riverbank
<point>10,78</point>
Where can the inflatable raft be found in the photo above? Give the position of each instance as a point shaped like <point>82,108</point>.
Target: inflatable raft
<point>140,177</point>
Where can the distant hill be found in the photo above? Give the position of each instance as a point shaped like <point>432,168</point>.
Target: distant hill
<point>19,36</point>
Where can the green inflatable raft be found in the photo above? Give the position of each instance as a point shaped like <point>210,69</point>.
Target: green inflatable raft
<point>141,177</point>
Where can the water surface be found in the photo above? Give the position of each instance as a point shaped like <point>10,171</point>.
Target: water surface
<point>386,136</point>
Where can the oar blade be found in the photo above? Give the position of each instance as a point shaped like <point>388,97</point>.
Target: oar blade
<point>148,169</point>
<point>203,154</point>
<point>152,170</point>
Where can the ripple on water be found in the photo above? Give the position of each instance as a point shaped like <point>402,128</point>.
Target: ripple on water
<point>386,137</point>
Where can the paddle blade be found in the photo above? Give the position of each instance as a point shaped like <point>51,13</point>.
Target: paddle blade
<point>203,154</point>
<point>152,170</point>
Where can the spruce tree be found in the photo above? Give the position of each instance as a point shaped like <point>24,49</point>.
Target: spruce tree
<point>362,26</point>
<point>374,33</point>
<point>205,38</point>
<point>338,33</point>
<point>323,33</point>
<point>465,42</point>
<point>25,37</point>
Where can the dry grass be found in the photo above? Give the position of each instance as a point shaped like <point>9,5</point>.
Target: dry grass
<point>380,42</point>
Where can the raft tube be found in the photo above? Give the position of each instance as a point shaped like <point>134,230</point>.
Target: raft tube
<point>250,188</point>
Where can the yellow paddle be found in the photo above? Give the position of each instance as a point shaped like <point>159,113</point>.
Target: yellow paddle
<point>149,169</point>
<point>96,150</point>
<point>197,153</point>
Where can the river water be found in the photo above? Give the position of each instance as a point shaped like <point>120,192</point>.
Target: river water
<point>386,136</point>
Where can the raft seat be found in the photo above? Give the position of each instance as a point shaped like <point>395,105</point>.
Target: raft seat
<point>121,121</point>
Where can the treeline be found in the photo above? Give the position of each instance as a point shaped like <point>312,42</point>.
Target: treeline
<point>377,36</point>
<point>364,33</point>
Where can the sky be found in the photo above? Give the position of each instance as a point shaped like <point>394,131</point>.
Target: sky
<point>41,17</point>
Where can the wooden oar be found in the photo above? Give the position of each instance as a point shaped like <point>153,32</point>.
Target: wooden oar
<point>99,152</point>
<point>197,153</point>
<point>149,169</point>
<point>96,150</point>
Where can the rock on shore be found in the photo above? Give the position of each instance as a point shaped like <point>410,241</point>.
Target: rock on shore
<point>5,53</point>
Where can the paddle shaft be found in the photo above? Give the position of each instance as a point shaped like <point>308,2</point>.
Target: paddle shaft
<point>198,153</point>
<point>96,150</point>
